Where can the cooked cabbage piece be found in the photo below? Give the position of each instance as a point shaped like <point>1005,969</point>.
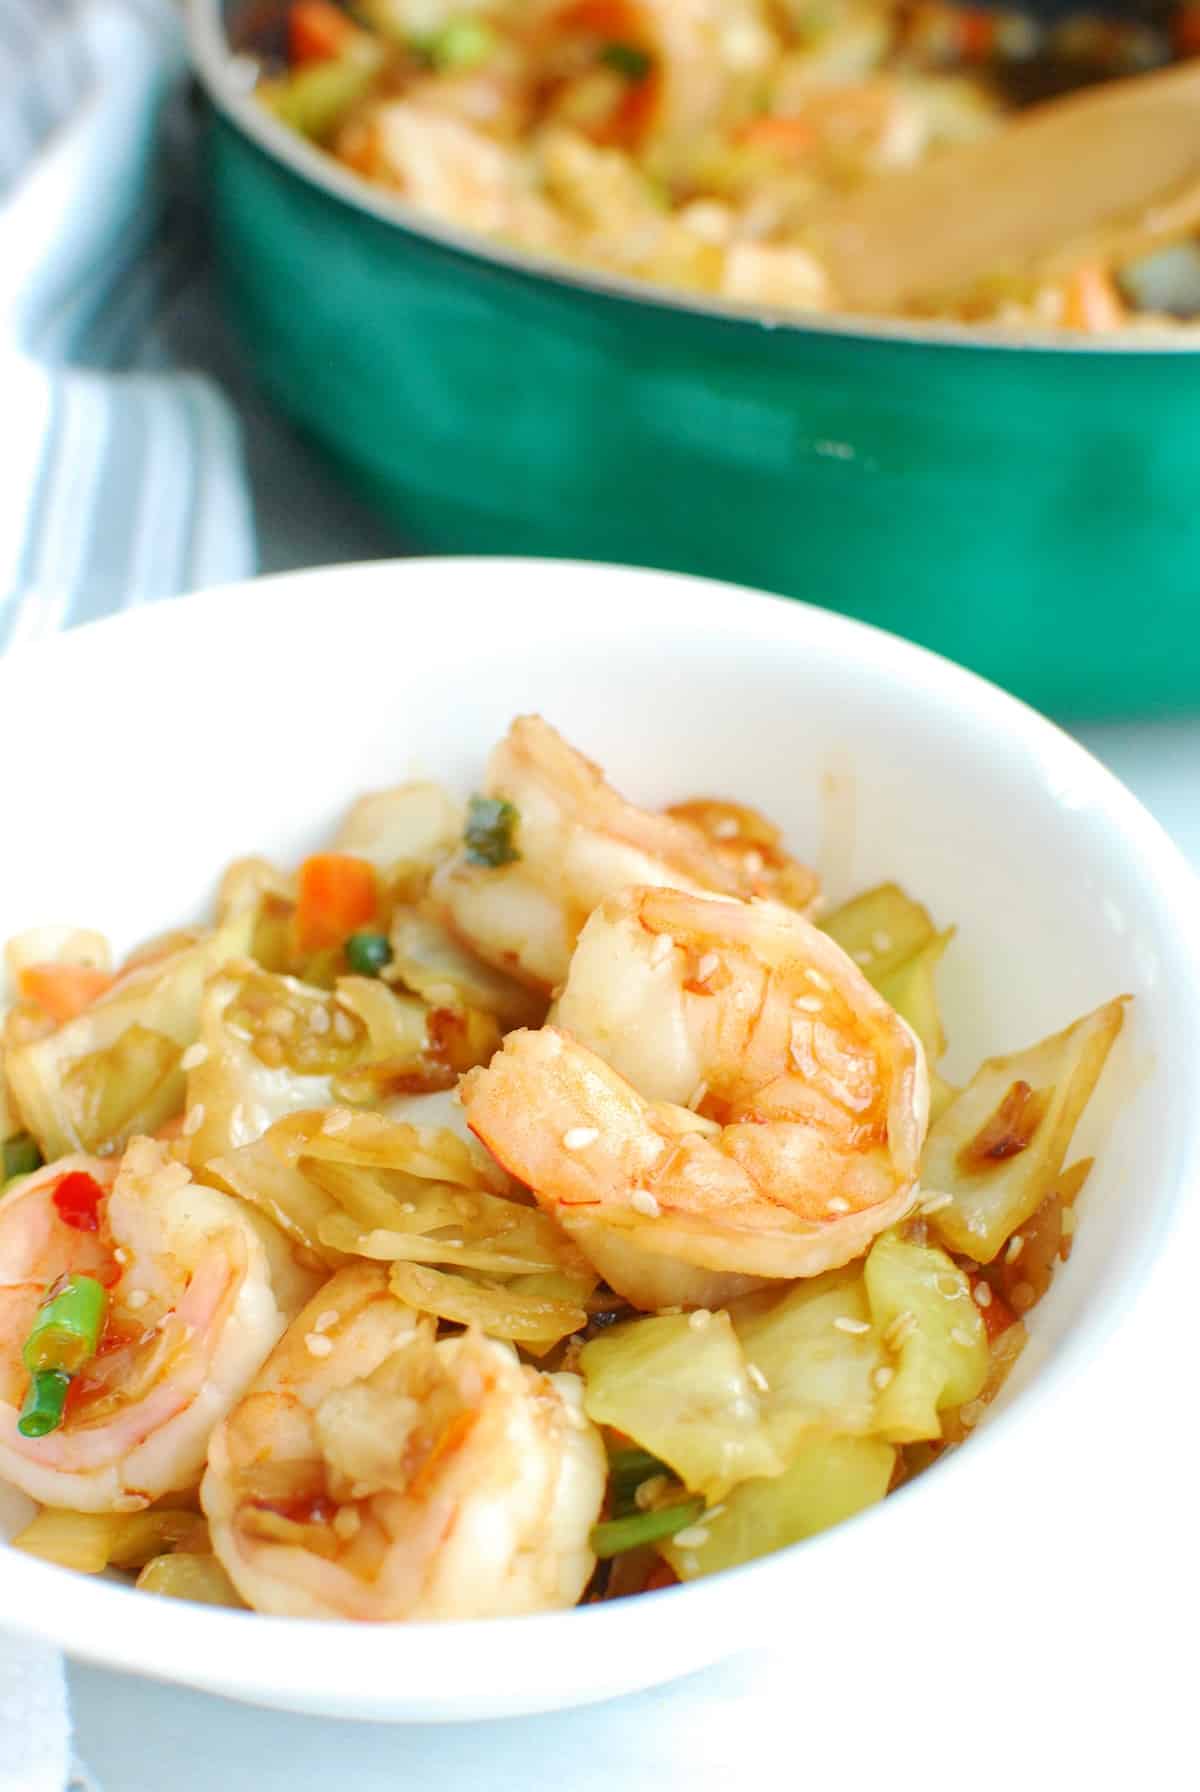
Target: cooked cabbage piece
<point>828,1480</point>
<point>1000,1145</point>
<point>922,1305</point>
<point>880,930</point>
<point>817,1349</point>
<point>427,959</point>
<point>404,832</point>
<point>532,1319</point>
<point>189,1575</point>
<point>84,1087</point>
<point>911,990</point>
<point>93,1541</point>
<point>678,1385</point>
<point>274,1046</point>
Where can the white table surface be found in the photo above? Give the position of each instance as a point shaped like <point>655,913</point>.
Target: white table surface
<point>1108,1702</point>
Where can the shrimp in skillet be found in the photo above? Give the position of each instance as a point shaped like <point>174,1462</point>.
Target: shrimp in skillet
<point>565,840</point>
<point>722,1088</point>
<point>373,1472</point>
<point>199,1290</point>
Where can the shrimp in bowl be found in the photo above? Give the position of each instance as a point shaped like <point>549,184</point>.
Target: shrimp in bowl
<point>550,839</point>
<point>186,1292</point>
<point>376,1472</point>
<point>722,1089</point>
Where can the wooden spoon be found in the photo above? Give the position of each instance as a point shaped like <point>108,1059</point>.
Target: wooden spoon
<point>1112,172</point>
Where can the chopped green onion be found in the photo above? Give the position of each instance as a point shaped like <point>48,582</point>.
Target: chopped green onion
<point>67,1328</point>
<point>42,1411</point>
<point>489,831</point>
<point>460,45</point>
<point>368,954</point>
<point>627,60</point>
<point>627,1469</point>
<point>20,1156</point>
<point>613,1536</point>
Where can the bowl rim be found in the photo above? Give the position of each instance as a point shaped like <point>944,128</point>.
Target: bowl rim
<point>290,1658</point>
<point>219,68</point>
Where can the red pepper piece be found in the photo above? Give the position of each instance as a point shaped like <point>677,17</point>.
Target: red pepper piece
<point>77,1201</point>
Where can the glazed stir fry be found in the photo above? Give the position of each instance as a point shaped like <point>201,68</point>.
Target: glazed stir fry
<point>694,142</point>
<point>522,1202</point>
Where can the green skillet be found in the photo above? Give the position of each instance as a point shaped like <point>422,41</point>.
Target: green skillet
<point>1032,511</point>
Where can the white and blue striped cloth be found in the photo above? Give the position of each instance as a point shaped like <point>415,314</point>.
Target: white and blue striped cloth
<point>124,480</point>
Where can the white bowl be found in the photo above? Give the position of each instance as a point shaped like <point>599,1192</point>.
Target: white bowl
<point>142,753</point>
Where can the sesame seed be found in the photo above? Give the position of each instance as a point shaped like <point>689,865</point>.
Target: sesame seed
<point>882,1376</point>
<point>862,957</point>
<point>668,1312</point>
<point>194,1056</point>
<point>810,1004</point>
<point>881,941</point>
<point>1016,1245</point>
<point>645,1494</point>
<point>983,1294</point>
<point>844,1323</point>
<point>193,1120</point>
<point>1023,1296</point>
<point>949,1287</point>
<point>753,863</point>
<point>408,1207</point>
<point>121,1255</point>
<point>700,1319</point>
<point>837,1204</point>
<point>725,828</point>
<point>279,1019</point>
<point>136,1299</point>
<point>578,1138</point>
<point>316,1345</point>
<point>697,1095</point>
<point>336,1120</point>
<point>962,1338</point>
<point>971,1413</point>
<point>347,1522</point>
<point>319,1021</point>
<point>757,1378</point>
<point>707,965</point>
<point>130,1502</point>
<point>662,948</point>
<point>902,1327</point>
<point>324,1320</point>
<point>935,1203</point>
<point>689,1564</point>
<point>343,1027</point>
<point>642,1201</point>
<point>693,1536</point>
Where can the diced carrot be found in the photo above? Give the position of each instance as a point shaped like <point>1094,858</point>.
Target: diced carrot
<point>337,894</point>
<point>976,35</point>
<point>1090,300</point>
<point>318,31</point>
<point>63,990</point>
<point>769,132</point>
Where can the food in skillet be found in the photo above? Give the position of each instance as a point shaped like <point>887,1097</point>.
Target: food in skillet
<point>696,143</point>
<point>522,1203</point>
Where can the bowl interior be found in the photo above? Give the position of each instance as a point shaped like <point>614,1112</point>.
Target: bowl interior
<point>243,721</point>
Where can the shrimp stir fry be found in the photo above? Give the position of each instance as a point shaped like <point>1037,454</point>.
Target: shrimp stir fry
<point>375,1473</point>
<point>564,840</point>
<point>199,1290</point>
<point>724,1088</point>
<point>524,1201</point>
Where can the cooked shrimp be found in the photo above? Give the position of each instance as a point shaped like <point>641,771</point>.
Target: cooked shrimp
<point>577,841</point>
<point>199,1291</point>
<point>374,1473</point>
<point>723,1088</point>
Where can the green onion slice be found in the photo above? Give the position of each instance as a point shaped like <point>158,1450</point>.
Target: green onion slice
<point>613,1536</point>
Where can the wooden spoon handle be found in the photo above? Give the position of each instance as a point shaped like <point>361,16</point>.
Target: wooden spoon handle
<point>1111,170</point>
